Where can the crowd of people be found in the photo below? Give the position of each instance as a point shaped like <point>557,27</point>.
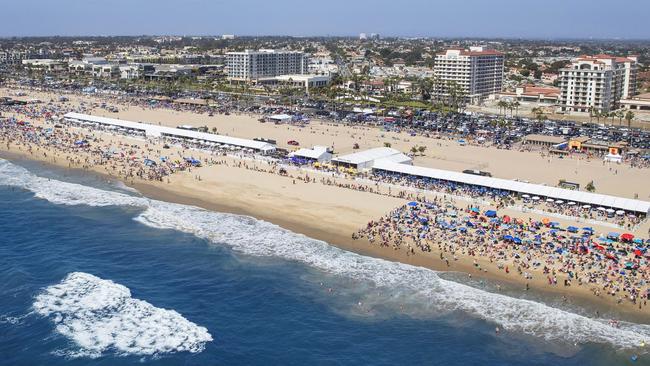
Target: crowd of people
<point>82,150</point>
<point>607,264</point>
<point>502,199</point>
<point>154,165</point>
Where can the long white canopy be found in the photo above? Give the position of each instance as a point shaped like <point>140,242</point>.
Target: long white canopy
<point>595,199</point>
<point>158,131</point>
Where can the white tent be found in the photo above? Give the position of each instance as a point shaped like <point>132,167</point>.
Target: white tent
<point>162,131</point>
<point>280,117</point>
<point>317,153</point>
<point>366,159</point>
<point>584,198</point>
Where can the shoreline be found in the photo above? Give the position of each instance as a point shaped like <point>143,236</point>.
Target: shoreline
<point>338,238</point>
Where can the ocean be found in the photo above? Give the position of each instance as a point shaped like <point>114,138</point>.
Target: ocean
<point>92,273</point>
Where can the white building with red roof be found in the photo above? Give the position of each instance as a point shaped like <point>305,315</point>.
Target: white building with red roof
<point>597,83</point>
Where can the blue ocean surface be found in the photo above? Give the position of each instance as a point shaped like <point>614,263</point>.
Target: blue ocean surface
<point>91,273</point>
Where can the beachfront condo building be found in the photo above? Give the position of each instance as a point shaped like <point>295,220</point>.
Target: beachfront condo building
<point>597,83</point>
<point>477,72</point>
<point>251,65</point>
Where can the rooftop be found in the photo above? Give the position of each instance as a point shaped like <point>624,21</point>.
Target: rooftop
<point>545,138</point>
<point>367,155</point>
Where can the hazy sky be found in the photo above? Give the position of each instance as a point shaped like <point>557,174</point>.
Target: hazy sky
<point>450,18</point>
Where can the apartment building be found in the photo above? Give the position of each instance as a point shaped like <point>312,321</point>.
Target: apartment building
<point>597,83</point>
<point>11,57</point>
<point>46,65</point>
<point>251,65</point>
<point>94,66</point>
<point>478,72</point>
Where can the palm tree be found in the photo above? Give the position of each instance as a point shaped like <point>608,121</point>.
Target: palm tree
<point>503,105</point>
<point>426,86</point>
<point>539,114</point>
<point>414,150</point>
<point>332,94</point>
<point>629,116</point>
<point>516,105</point>
<point>620,114</point>
<point>612,115</point>
<point>435,86</point>
<point>456,95</point>
<point>422,149</point>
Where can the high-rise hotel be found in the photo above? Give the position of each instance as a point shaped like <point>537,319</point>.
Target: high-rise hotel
<point>597,83</point>
<point>252,65</point>
<point>478,72</point>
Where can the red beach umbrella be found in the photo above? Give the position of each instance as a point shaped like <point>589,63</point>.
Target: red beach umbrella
<point>627,237</point>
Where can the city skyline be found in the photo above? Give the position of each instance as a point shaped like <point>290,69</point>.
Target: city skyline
<point>414,18</point>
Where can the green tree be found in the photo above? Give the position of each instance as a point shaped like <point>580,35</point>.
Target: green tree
<point>503,105</point>
<point>629,116</point>
<point>516,106</point>
<point>620,114</point>
<point>422,149</point>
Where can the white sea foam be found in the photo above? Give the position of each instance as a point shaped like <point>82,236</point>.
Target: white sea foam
<point>65,193</point>
<point>399,283</point>
<point>100,316</point>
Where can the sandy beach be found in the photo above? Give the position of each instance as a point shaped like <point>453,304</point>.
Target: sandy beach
<point>301,203</point>
<point>619,180</point>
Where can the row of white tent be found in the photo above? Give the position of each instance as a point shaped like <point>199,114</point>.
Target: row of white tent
<point>163,131</point>
<point>584,198</point>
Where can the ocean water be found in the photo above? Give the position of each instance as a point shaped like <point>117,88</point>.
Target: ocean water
<point>93,273</point>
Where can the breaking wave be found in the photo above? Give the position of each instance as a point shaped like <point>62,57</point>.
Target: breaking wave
<point>427,292</point>
<point>100,315</point>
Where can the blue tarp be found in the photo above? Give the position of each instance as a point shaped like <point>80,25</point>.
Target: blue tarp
<point>490,213</point>
<point>193,161</point>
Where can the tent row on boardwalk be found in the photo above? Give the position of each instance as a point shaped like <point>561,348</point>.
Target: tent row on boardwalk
<point>163,131</point>
<point>585,198</point>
